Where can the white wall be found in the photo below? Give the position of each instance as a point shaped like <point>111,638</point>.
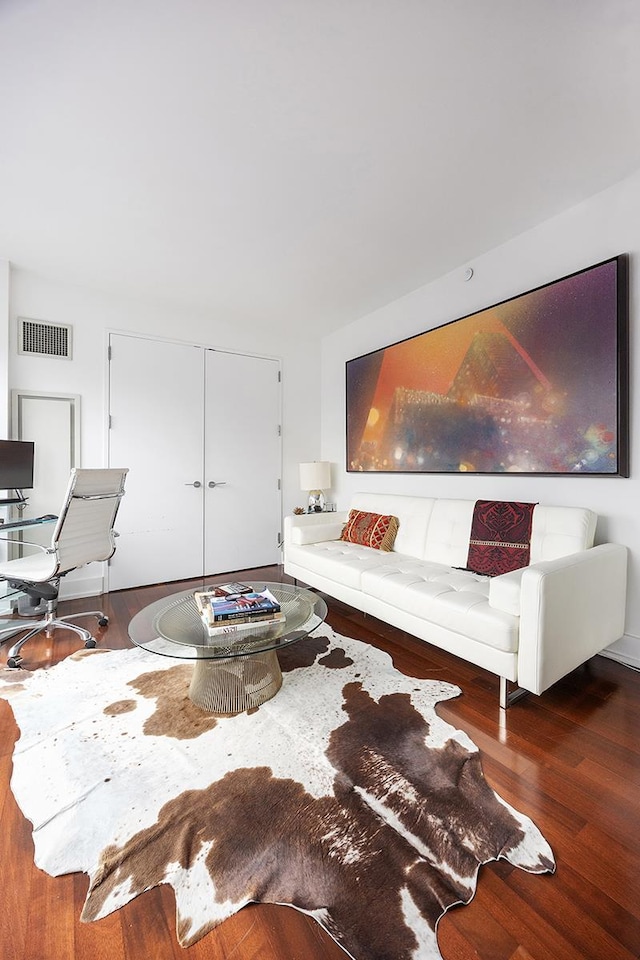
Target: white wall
<point>606,225</point>
<point>93,315</point>
<point>4,370</point>
<point>4,354</point>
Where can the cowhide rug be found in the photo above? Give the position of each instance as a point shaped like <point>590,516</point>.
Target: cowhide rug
<point>345,795</point>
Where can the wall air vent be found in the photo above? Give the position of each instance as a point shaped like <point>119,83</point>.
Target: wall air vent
<point>37,338</point>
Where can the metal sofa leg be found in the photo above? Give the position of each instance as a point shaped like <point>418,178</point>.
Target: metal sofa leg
<point>508,697</point>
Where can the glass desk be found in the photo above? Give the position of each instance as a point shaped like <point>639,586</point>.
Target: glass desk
<point>13,600</point>
<point>232,672</point>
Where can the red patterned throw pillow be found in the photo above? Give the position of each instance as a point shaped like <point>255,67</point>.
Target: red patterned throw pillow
<point>370,530</point>
<point>500,537</point>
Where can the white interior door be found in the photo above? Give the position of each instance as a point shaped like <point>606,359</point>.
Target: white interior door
<point>157,429</point>
<point>242,462</point>
<point>199,431</point>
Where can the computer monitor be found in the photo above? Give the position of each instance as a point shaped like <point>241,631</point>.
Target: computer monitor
<point>16,464</point>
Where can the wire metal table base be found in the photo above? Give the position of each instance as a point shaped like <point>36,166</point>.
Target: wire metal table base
<point>228,686</point>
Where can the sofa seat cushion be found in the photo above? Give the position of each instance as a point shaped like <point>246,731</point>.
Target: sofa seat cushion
<point>453,599</point>
<point>340,561</point>
<point>432,591</point>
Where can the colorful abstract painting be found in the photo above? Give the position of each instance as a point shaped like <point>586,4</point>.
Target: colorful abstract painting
<point>536,384</point>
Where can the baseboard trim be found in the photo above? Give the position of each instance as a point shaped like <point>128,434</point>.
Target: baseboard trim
<point>627,659</point>
<point>79,587</point>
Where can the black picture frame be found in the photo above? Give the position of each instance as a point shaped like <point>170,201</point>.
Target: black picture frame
<point>537,384</point>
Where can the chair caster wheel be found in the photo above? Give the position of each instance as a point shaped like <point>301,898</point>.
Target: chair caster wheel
<point>14,662</point>
<point>103,622</point>
<point>91,643</point>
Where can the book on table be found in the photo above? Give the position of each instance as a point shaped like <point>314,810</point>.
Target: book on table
<point>220,606</point>
<point>225,628</point>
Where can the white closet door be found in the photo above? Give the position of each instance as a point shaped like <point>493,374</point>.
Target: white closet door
<point>157,430</point>
<point>242,462</point>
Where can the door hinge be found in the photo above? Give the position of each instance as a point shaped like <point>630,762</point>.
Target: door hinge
<point>279,430</point>
<point>279,487</point>
<point>109,353</point>
<point>279,543</point>
<point>279,376</point>
<point>110,422</point>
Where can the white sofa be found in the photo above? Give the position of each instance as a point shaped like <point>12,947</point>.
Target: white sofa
<point>530,627</point>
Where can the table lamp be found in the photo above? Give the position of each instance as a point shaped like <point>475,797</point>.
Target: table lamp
<point>315,477</point>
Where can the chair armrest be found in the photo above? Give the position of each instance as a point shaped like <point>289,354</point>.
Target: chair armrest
<point>28,543</point>
<point>570,609</point>
<point>314,527</point>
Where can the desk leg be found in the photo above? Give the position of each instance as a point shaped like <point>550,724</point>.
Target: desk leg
<point>232,685</point>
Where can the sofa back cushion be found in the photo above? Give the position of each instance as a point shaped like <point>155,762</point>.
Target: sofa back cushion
<point>438,530</point>
<point>555,532</point>
<point>559,531</point>
<point>413,515</point>
<point>448,534</point>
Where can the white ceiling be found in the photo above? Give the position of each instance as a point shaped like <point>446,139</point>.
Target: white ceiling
<point>296,162</point>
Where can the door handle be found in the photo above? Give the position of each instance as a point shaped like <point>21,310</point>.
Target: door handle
<point>218,483</point>
<point>196,483</point>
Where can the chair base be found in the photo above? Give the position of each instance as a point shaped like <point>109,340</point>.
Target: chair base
<point>47,625</point>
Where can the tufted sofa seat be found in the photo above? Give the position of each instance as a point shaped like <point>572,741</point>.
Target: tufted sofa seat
<point>530,627</point>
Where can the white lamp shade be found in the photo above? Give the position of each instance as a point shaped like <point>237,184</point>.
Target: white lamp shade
<point>315,475</point>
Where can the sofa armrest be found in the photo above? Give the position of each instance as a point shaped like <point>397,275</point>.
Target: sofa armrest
<point>570,609</point>
<point>314,527</point>
<point>504,592</point>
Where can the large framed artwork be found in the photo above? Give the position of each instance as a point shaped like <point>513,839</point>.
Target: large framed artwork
<point>537,384</point>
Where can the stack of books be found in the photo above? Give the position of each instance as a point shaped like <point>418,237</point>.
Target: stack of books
<point>231,607</point>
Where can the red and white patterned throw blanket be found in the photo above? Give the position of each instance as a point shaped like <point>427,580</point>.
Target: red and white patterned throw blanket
<point>500,536</point>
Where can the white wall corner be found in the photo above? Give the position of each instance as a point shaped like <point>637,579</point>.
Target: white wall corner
<point>5,275</point>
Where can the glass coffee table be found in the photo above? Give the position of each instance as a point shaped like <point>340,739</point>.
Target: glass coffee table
<point>232,672</point>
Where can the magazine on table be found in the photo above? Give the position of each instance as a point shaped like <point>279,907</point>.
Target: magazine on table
<point>218,593</point>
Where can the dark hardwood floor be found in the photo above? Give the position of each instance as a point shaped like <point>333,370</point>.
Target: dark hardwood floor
<point>569,759</point>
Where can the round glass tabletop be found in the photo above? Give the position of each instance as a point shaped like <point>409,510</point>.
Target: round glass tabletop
<point>173,627</point>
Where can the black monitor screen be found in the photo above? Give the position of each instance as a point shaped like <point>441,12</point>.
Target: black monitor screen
<point>16,464</point>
